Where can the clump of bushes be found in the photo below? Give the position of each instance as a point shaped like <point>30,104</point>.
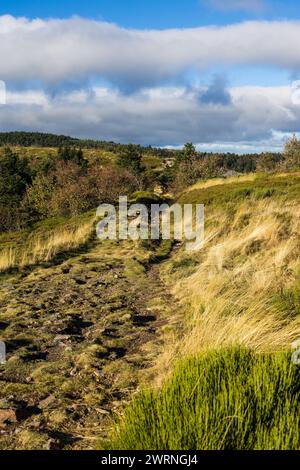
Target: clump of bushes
<point>70,189</point>
<point>15,176</point>
<point>292,153</point>
<point>64,184</point>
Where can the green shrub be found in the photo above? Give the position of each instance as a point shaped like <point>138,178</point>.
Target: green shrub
<point>231,399</point>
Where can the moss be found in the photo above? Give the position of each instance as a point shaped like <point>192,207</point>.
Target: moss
<point>134,270</point>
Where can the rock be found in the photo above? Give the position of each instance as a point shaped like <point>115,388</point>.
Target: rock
<point>7,416</point>
<point>102,411</point>
<point>13,358</point>
<point>61,338</point>
<point>46,402</point>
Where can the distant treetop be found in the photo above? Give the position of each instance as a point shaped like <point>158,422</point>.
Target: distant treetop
<point>38,139</point>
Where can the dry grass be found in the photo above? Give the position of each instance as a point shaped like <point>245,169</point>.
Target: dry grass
<point>223,391</point>
<point>228,295</point>
<point>7,259</point>
<point>42,248</point>
<point>249,177</point>
<point>220,181</point>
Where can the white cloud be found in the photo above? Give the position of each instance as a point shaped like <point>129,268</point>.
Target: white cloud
<point>55,50</point>
<point>62,57</point>
<point>255,118</point>
<point>29,97</point>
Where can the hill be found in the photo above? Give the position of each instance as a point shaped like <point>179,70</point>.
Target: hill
<point>38,139</point>
<point>239,299</point>
<point>86,322</point>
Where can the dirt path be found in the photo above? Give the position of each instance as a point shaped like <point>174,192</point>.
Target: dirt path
<point>79,336</point>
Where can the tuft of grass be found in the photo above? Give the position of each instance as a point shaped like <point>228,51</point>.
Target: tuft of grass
<point>289,300</point>
<point>229,399</point>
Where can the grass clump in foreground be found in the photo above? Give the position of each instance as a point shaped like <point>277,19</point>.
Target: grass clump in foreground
<point>225,400</point>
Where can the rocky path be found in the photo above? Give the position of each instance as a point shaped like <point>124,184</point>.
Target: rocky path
<point>79,337</point>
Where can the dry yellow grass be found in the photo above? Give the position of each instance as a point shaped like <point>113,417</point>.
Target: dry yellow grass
<point>43,248</point>
<point>236,179</point>
<point>7,259</point>
<point>220,181</point>
<point>228,298</point>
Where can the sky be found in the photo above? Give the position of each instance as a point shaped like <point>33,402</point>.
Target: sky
<point>224,74</point>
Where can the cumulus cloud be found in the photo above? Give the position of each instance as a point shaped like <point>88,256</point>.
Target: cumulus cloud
<point>254,118</point>
<point>53,51</point>
<point>64,59</point>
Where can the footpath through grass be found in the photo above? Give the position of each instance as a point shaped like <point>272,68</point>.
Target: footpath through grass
<point>230,399</point>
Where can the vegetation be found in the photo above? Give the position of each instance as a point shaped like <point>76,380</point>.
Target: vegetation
<point>43,245</point>
<point>292,153</point>
<point>131,159</point>
<point>15,175</point>
<point>238,316</point>
<point>37,139</point>
<point>78,175</point>
<point>221,400</point>
<point>88,323</point>
<point>145,197</point>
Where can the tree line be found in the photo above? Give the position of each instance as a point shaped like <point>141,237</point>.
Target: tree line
<point>39,139</point>
<point>67,184</point>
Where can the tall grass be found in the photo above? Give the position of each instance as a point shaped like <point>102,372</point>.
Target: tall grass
<point>221,400</point>
<point>43,247</point>
<point>7,259</point>
<point>234,291</point>
<point>232,386</point>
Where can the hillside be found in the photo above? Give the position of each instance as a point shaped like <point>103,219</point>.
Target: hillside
<point>88,322</point>
<point>231,381</point>
<point>43,140</point>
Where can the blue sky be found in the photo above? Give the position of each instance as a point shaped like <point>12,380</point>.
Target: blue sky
<point>154,13</point>
<point>222,73</point>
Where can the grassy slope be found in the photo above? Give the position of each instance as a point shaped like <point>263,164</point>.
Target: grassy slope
<point>36,155</point>
<point>46,241</point>
<point>240,291</point>
<point>82,322</point>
